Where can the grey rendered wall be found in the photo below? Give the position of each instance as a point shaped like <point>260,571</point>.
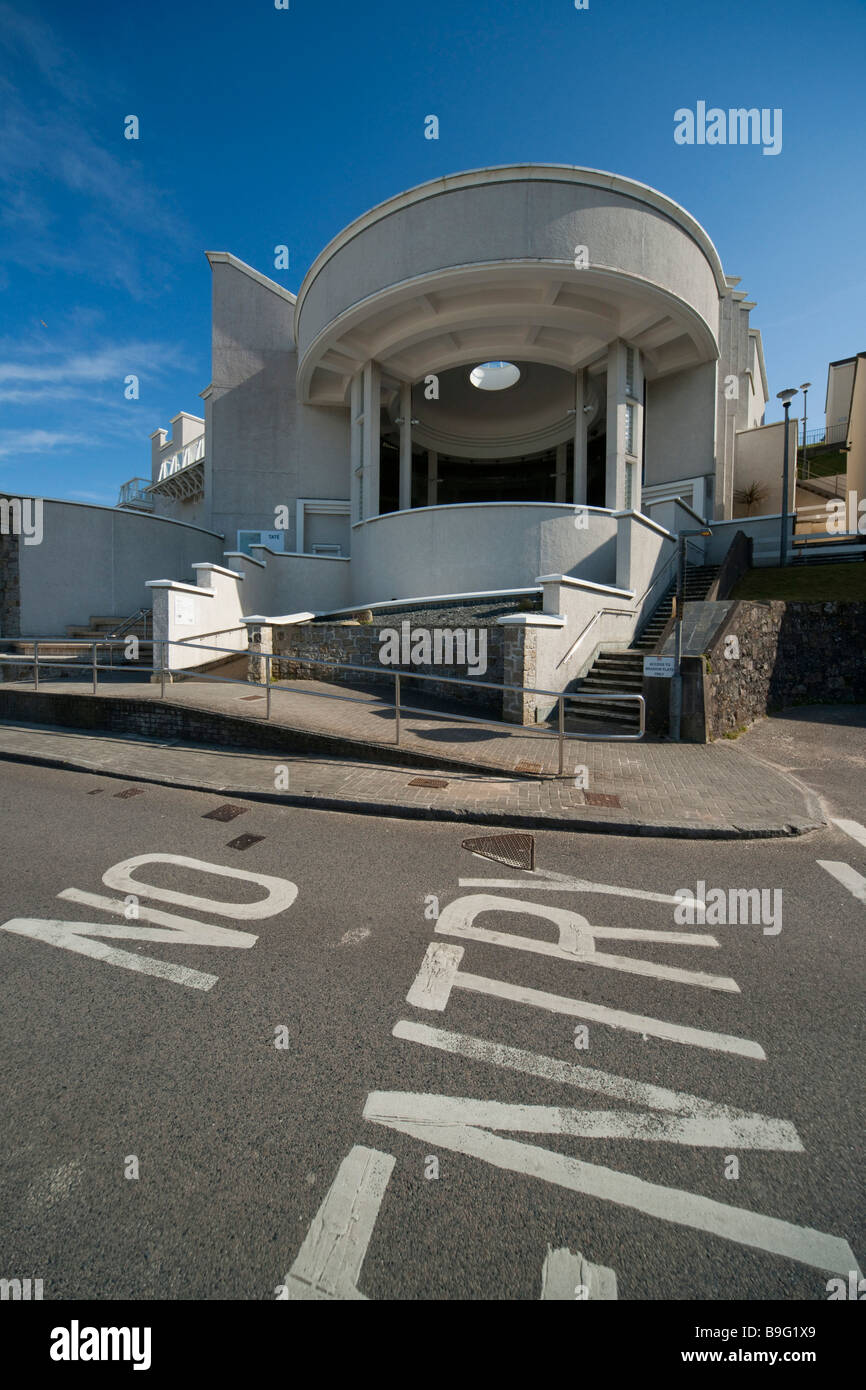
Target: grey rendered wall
<point>438,550</point>
<point>252,420</point>
<point>679,424</point>
<point>323,461</point>
<point>95,561</point>
<point>511,220</point>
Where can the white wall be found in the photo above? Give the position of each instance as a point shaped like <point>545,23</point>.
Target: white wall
<point>477,547</point>
<point>96,561</point>
<point>760,458</point>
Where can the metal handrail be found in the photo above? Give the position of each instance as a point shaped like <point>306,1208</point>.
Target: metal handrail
<point>164,670</point>
<point>145,614</point>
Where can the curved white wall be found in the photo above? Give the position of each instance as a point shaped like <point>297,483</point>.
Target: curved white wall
<point>477,547</point>
<point>514,215</point>
<point>96,561</point>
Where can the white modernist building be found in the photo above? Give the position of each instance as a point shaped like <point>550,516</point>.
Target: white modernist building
<point>461,367</point>
<point>494,378</point>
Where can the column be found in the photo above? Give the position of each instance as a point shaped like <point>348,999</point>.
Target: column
<point>406,446</point>
<point>614,486</point>
<point>356,447</point>
<point>370,451</point>
<point>432,485</point>
<point>561,457</point>
<point>580,434</point>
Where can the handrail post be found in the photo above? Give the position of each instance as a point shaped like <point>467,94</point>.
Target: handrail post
<point>267,656</point>
<point>35,665</point>
<point>162,647</point>
<point>561,719</point>
<point>93,661</point>
<point>397,704</point>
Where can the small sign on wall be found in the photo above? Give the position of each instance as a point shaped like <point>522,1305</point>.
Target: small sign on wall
<point>663,666</point>
<point>184,610</point>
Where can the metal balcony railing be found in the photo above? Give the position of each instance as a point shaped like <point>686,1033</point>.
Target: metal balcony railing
<point>134,494</point>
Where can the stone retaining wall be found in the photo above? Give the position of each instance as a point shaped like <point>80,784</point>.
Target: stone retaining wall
<point>789,654</point>
<point>361,645</point>
<point>10,587</point>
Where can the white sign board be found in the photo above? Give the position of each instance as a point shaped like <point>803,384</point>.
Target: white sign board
<point>659,666</point>
<point>184,610</point>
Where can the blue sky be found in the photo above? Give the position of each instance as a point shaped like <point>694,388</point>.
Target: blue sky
<point>261,127</point>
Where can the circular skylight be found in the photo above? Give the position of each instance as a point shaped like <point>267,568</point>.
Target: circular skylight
<point>494,376</point>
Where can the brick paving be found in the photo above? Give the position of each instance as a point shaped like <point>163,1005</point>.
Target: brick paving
<point>683,789</point>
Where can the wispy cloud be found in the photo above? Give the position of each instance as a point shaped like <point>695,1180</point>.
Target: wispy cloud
<point>16,442</point>
<point>47,145</point>
<point>110,363</point>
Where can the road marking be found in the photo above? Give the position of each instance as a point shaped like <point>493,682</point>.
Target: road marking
<point>578,1123</point>
<point>78,936</point>
<point>852,828</point>
<point>541,880</point>
<point>848,877</point>
<point>67,935</point>
<point>406,1113</point>
<point>568,1276</point>
<point>745,1129</point>
<point>439,974</point>
<point>329,1261</point>
<point>576,939</point>
<point>182,930</point>
<point>281,892</point>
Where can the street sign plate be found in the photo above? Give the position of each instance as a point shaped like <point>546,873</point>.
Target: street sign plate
<point>659,666</point>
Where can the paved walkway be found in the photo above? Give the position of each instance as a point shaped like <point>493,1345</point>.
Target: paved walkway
<point>637,788</point>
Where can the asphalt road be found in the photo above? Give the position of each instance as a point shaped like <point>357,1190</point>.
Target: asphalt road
<point>238,1141</point>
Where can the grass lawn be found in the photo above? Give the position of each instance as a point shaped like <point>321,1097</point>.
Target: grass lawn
<point>806,583</point>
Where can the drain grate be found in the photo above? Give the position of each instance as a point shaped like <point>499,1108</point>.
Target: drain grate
<point>525,766</point>
<point>225,813</point>
<point>130,791</point>
<point>601,799</point>
<point>244,841</point>
<point>517,851</point>
<point>428,782</point>
<point>252,697</point>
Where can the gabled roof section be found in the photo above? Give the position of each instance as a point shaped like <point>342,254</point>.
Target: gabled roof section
<point>226,258</point>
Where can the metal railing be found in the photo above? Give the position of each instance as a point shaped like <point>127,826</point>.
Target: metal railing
<point>143,616</point>
<point>135,494</point>
<point>831,434</point>
<point>627,612</point>
<point>165,673</point>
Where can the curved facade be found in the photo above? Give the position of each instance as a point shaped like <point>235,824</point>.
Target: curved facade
<point>599,306</point>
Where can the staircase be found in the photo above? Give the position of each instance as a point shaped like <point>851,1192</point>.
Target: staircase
<point>621,673</point>
<point>98,629</point>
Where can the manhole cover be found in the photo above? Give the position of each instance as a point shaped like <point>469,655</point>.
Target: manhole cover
<point>428,782</point>
<point>244,841</point>
<point>130,791</point>
<point>517,851</point>
<point>601,799</point>
<point>525,766</point>
<point>225,813</point>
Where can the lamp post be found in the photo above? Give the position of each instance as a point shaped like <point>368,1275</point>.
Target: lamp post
<point>786,398</point>
<point>676,710</point>
<point>805,389</point>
